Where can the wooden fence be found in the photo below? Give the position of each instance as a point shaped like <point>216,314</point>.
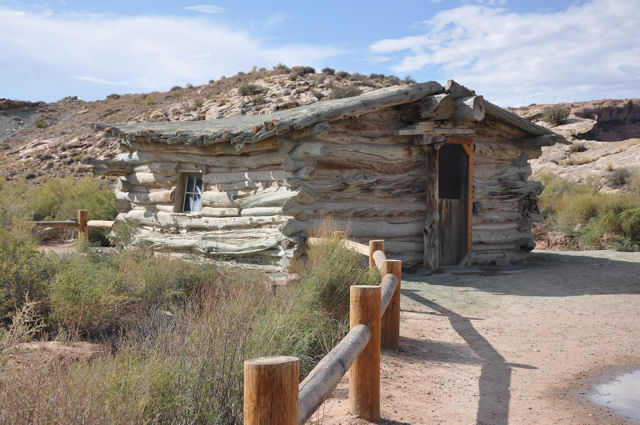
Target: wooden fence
<point>271,391</point>
<point>83,224</point>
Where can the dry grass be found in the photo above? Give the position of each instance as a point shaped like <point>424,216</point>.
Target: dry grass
<point>180,361</point>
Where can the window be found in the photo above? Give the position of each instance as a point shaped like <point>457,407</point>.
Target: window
<point>452,171</point>
<point>192,193</point>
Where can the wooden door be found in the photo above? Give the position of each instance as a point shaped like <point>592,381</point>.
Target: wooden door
<point>449,199</point>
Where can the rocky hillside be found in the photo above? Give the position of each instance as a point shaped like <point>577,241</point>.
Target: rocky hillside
<point>605,137</point>
<point>40,140</point>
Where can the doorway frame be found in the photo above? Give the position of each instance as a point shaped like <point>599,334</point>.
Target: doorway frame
<point>431,231</point>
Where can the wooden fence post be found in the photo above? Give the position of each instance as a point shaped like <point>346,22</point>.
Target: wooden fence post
<point>83,228</point>
<point>364,378</point>
<point>390,338</point>
<point>271,391</point>
<point>374,245</point>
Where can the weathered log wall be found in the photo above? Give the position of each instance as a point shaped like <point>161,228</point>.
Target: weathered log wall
<point>505,202</point>
<point>242,202</point>
<point>370,179</point>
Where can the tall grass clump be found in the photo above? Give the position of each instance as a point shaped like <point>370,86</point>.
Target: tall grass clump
<point>593,219</point>
<point>179,333</point>
<point>24,271</point>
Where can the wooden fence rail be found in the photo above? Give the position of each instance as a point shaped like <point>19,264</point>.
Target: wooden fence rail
<point>374,316</point>
<point>83,224</point>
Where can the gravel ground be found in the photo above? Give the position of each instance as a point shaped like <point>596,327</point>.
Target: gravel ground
<point>524,344</point>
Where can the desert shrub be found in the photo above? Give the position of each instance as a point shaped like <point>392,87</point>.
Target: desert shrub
<point>175,88</point>
<point>393,80</point>
<point>343,74</point>
<point>619,177</point>
<point>556,114</point>
<point>14,202</point>
<point>592,218</point>
<point>342,92</point>
<point>60,198</point>
<point>250,89</point>
<point>281,69</point>
<point>300,71</point>
<point>24,271</point>
<point>578,147</point>
<point>148,100</point>
<point>328,71</point>
<point>25,325</point>
<point>259,99</point>
<point>113,96</point>
<point>409,80</point>
<point>85,296</point>
<point>198,103</point>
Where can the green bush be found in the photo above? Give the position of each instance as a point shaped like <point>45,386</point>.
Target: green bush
<point>594,219</point>
<point>342,92</point>
<point>61,198</point>
<point>250,89</point>
<point>556,114</point>
<point>24,271</point>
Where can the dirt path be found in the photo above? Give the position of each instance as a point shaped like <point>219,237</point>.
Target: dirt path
<point>519,345</point>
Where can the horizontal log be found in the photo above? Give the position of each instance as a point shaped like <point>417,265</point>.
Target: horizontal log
<point>220,212</point>
<point>371,166</point>
<point>406,207</point>
<point>244,176</point>
<point>163,196</point>
<point>57,224</point>
<point>457,90</point>
<point>240,242</point>
<point>100,224</point>
<point>228,162</point>
<point>389,283</point>
<point>163,168</point>
<point>266,198</point>
<point>308,150</point>
<point>324,378</point>
<point>437,107</point>
<point>469,109</point>
<point>400,150</point>
<point>362,229</point>
<point>261,211</point>
<point>193,221</point>
<point>435,128</point>
<point>151,179</point>
<point>110,167</point>
<point>514,120</point>
<point>378,258</point>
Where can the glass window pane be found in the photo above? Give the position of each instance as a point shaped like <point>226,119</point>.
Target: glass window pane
<point>187,203</point>
<point>197,203</point>
<point>198,184</point>
<point>190,183</point>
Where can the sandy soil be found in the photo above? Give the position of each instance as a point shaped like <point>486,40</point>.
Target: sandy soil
<point>518,345</point>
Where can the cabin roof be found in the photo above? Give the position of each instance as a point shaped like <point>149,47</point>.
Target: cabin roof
<point>244,129</point>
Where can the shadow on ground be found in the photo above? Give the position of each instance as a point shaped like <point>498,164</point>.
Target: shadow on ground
<point>592,273</point>
<point>495,372</point>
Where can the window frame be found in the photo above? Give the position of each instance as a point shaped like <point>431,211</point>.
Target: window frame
<point>182,192</point>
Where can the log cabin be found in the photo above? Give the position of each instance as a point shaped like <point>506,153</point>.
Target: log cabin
<point>439,173</point>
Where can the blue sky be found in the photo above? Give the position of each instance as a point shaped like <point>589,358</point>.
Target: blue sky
<point>512,52</point>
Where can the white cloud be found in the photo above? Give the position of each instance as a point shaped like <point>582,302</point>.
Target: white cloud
<point>205,8</point>
<point>98,80</point>
<point>51,56</point>
<point>589,50</point>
